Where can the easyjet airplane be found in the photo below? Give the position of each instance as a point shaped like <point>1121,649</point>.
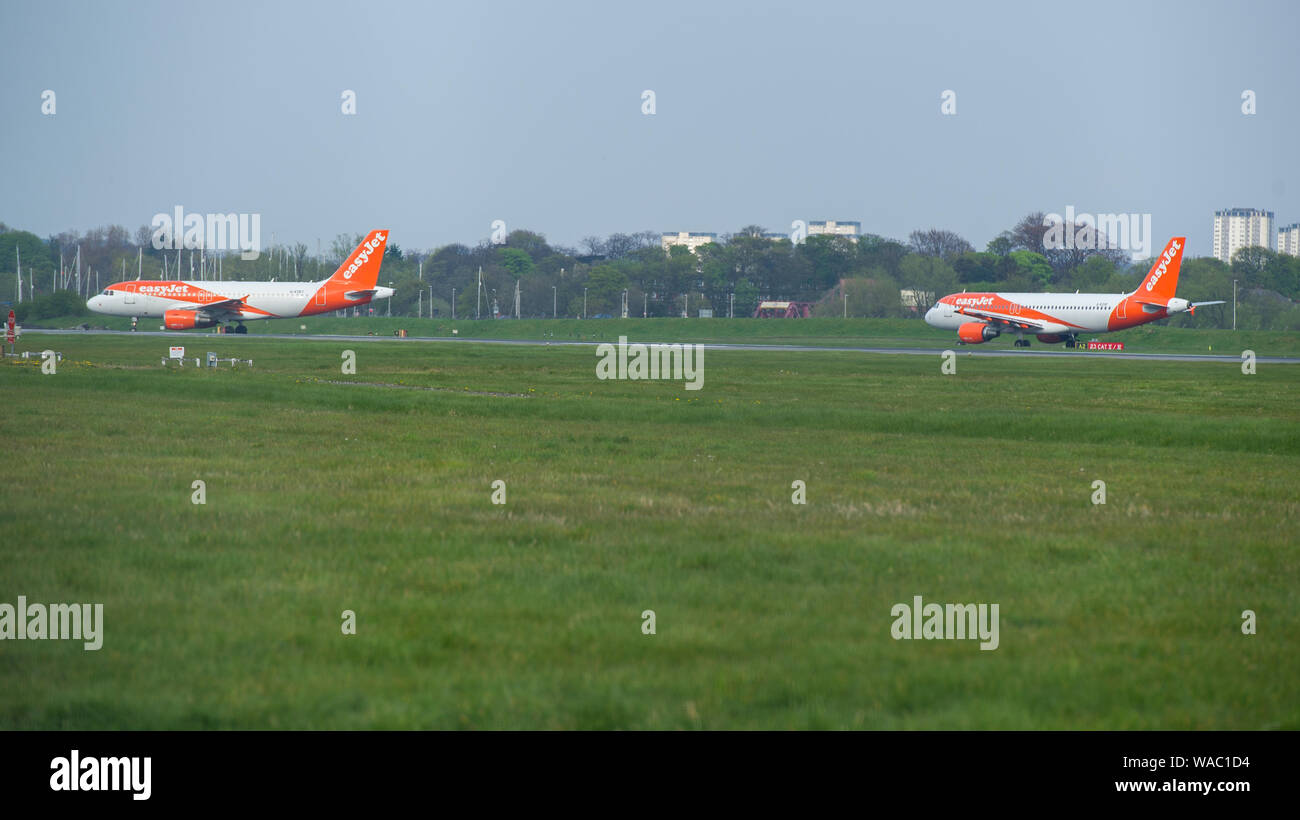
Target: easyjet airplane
<point>1062,317</point>
<point>185,305</point>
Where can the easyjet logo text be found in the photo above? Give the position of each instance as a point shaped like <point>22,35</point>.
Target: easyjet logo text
<point>164,290</point>
<point>1165,259</point>
<point>363,255</point>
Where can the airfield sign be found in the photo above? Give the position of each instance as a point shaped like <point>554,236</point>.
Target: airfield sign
<point>10,335</point>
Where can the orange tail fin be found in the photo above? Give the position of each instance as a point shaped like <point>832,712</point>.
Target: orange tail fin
<point>360,271</point>
<point>1162,280</point>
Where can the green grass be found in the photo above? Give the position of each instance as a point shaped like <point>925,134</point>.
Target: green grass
<point>1153,338</point>
<point>627,496</point>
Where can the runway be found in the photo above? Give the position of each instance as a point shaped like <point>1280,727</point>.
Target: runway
<point>899,351</point>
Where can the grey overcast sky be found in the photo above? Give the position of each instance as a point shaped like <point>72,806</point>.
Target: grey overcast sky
<point>531,113</point>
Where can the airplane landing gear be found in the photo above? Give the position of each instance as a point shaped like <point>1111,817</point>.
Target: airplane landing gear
<point>1071,341</point>
<point>239,328</point>
<point>1022,343</point>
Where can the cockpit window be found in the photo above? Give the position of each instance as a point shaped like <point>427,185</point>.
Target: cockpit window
<point>108,293</point>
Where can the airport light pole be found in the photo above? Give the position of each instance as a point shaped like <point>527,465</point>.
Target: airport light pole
<point>1234,304</point>
<point>584,303</point>
<point>553,302</point>
<point>453,303</point>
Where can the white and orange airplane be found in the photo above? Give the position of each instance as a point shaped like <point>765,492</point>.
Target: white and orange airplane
<point>1062,317</point>
<point>186,304</point>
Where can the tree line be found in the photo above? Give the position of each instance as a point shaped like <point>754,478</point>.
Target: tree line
<point>841,276</point>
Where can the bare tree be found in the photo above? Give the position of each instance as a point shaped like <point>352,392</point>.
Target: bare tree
<point>1036,233</point>
<point>943,244</point>
<point>593,245</point>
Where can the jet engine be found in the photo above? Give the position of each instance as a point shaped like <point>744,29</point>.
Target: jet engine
<point>973,333</point>
<point>187,319</point>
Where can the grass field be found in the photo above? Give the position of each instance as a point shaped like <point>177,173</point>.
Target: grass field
<point>627,496</point>
<point>1151,338</point>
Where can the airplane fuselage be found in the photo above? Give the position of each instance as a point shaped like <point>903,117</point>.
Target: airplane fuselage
<point>1057,313</point>
<point>260,300</point>
<point>186,304</point>
<point>1062,317</point>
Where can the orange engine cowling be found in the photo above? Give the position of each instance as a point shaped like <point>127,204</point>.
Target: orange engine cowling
<point>1050,338</point>
<point>186,319</point>
<point>973,333</point>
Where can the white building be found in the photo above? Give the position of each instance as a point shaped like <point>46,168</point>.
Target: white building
<point>1238,228</point>
<point>1288,239</point>
<point>829,226</point>
<point>688,239</point>
<point>915,299</point>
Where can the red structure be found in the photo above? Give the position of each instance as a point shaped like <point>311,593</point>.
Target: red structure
<point>783,310</point>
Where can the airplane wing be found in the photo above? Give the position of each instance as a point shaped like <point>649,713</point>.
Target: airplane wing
<point>226,306</point>
<point>1005,319</point>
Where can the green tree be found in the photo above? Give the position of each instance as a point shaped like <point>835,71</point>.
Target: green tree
<point>516,262</point>
<point>605,285</point>
<point>1094,272</point>
<point>746,298</point>
<point>1249,263</point>
<point>1032,266</point>
<point>929,276</point>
